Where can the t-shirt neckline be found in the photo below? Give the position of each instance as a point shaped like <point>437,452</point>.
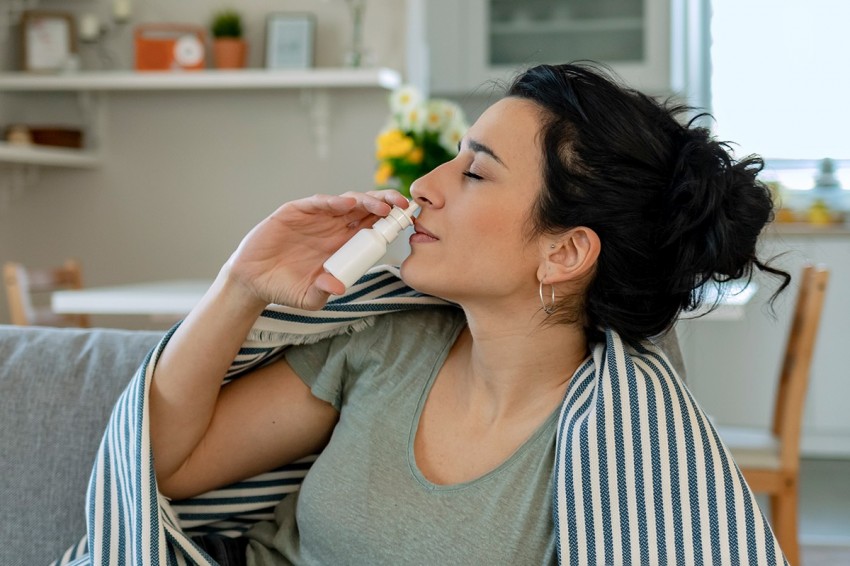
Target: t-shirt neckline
<point>414,429</point>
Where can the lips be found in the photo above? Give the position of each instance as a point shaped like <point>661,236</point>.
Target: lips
<point>421,233</point>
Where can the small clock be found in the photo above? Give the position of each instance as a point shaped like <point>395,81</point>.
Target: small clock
<point>188,51</point>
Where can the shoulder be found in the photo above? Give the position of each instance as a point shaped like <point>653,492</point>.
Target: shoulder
<point>382,335</point>
<point>417,320</point>
<point>410,329</point>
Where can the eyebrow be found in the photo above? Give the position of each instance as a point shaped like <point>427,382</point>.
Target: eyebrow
<point>479,147</point>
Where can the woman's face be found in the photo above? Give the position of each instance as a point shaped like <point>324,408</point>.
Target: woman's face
<point>471,236</point>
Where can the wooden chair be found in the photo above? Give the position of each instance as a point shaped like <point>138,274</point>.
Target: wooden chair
<point>770,460</point>
<point>24,286</point>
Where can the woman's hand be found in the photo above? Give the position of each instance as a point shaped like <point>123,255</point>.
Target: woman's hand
<point>280,260</point>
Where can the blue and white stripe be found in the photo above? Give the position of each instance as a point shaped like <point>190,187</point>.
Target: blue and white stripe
<point>641,475</point>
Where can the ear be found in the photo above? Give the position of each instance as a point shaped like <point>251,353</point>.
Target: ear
<point>569,257</point>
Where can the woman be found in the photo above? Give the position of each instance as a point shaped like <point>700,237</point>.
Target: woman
<point>576,212</point>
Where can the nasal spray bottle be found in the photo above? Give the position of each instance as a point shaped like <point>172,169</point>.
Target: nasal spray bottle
<point>367,246</point>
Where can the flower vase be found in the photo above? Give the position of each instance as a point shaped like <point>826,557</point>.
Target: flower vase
<point>356,56</point>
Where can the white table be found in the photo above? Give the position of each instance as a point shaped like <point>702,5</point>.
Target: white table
<point>177,298</point>
<point>158,298</point>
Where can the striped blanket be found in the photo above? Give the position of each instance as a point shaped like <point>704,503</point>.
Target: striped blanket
<point>641,475</point>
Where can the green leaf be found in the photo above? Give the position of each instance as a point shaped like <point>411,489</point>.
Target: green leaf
<point>227,23</point>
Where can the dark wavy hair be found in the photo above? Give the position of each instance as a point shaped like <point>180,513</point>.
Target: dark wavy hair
<point>672,208</point>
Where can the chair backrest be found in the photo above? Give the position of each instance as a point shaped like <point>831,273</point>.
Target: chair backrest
<point>23,285</point>
<point>796,366</point>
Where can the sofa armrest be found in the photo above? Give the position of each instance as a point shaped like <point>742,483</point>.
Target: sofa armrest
<point>57,389</point>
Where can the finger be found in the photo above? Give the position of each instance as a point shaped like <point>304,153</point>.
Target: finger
<point>333,204</point>
<point>390,196</point>
<point>370,203</point>
<point>373,206</point>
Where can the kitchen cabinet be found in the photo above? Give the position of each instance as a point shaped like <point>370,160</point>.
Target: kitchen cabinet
<point>733,366</point>
<point>472,42</point>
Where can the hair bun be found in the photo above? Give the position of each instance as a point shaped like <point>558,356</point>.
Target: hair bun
<point>713,212</point>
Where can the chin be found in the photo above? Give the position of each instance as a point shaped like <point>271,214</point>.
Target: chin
<point>408,274</point>
<point>418,277</point>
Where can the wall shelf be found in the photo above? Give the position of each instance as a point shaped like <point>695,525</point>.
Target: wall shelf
<point>91,88</point>
<point>48,156</point>
<point>248,79</point>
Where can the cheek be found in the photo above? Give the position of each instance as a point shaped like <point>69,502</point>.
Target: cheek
<point>487,218</point>
<point>502,229</point>
<point>499,248</point>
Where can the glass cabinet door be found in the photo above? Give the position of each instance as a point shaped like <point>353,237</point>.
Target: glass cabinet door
<point>553,31</point>
<point>472,42</point>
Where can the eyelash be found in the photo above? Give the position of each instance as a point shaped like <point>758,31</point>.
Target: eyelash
<point>473,176</point>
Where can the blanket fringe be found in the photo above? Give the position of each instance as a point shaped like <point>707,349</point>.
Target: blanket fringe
<point>258,337</point>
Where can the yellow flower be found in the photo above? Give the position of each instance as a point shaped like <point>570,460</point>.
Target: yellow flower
<point>389,137</point>
<point>392,143</point>
<point>416,155</point>
<point>383,174</point>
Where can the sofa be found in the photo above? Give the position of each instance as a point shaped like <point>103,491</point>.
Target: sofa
<point>57,389</point>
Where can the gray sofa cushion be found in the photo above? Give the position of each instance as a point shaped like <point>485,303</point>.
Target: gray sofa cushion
<point>57,388</point>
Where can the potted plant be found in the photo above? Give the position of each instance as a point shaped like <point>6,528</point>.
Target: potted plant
<point>229,49</point>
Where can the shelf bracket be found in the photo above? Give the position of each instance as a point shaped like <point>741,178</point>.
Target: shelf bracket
<point>318,103</point>
<point>14,180</point>
<point>93,111</point>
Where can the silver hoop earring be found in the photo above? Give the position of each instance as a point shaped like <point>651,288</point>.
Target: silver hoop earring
<point>550,308</point>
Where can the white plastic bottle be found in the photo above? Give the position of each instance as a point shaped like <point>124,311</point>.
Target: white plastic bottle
<point>362,251</point>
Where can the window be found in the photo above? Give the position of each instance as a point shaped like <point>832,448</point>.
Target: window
<point>780,82</point>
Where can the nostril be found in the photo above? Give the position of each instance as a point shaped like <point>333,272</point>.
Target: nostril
<point>420,192</point>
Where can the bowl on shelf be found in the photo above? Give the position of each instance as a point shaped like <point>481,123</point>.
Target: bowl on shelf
<point>55,136</point>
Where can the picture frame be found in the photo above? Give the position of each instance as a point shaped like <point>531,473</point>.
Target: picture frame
<point>290,41</point>
<point>48,41</point>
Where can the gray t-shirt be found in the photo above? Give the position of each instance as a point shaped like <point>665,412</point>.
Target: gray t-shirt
<point>364,501</point>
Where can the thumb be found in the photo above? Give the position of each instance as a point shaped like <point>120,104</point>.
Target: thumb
<point>321,290</point>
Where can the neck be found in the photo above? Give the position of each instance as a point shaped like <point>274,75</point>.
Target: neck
<point>509,367</point>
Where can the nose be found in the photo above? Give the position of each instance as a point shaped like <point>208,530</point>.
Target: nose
<point>425,191</point>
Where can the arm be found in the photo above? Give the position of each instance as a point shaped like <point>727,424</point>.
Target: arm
<point>204,435</point>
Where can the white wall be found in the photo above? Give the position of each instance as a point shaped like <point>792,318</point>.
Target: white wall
<point>186,174</point>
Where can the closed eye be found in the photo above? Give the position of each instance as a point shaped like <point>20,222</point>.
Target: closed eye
<point>472,175</point>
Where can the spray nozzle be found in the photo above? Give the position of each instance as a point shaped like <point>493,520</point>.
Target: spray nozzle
<point>397,220</point>
<point>411,209</point>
